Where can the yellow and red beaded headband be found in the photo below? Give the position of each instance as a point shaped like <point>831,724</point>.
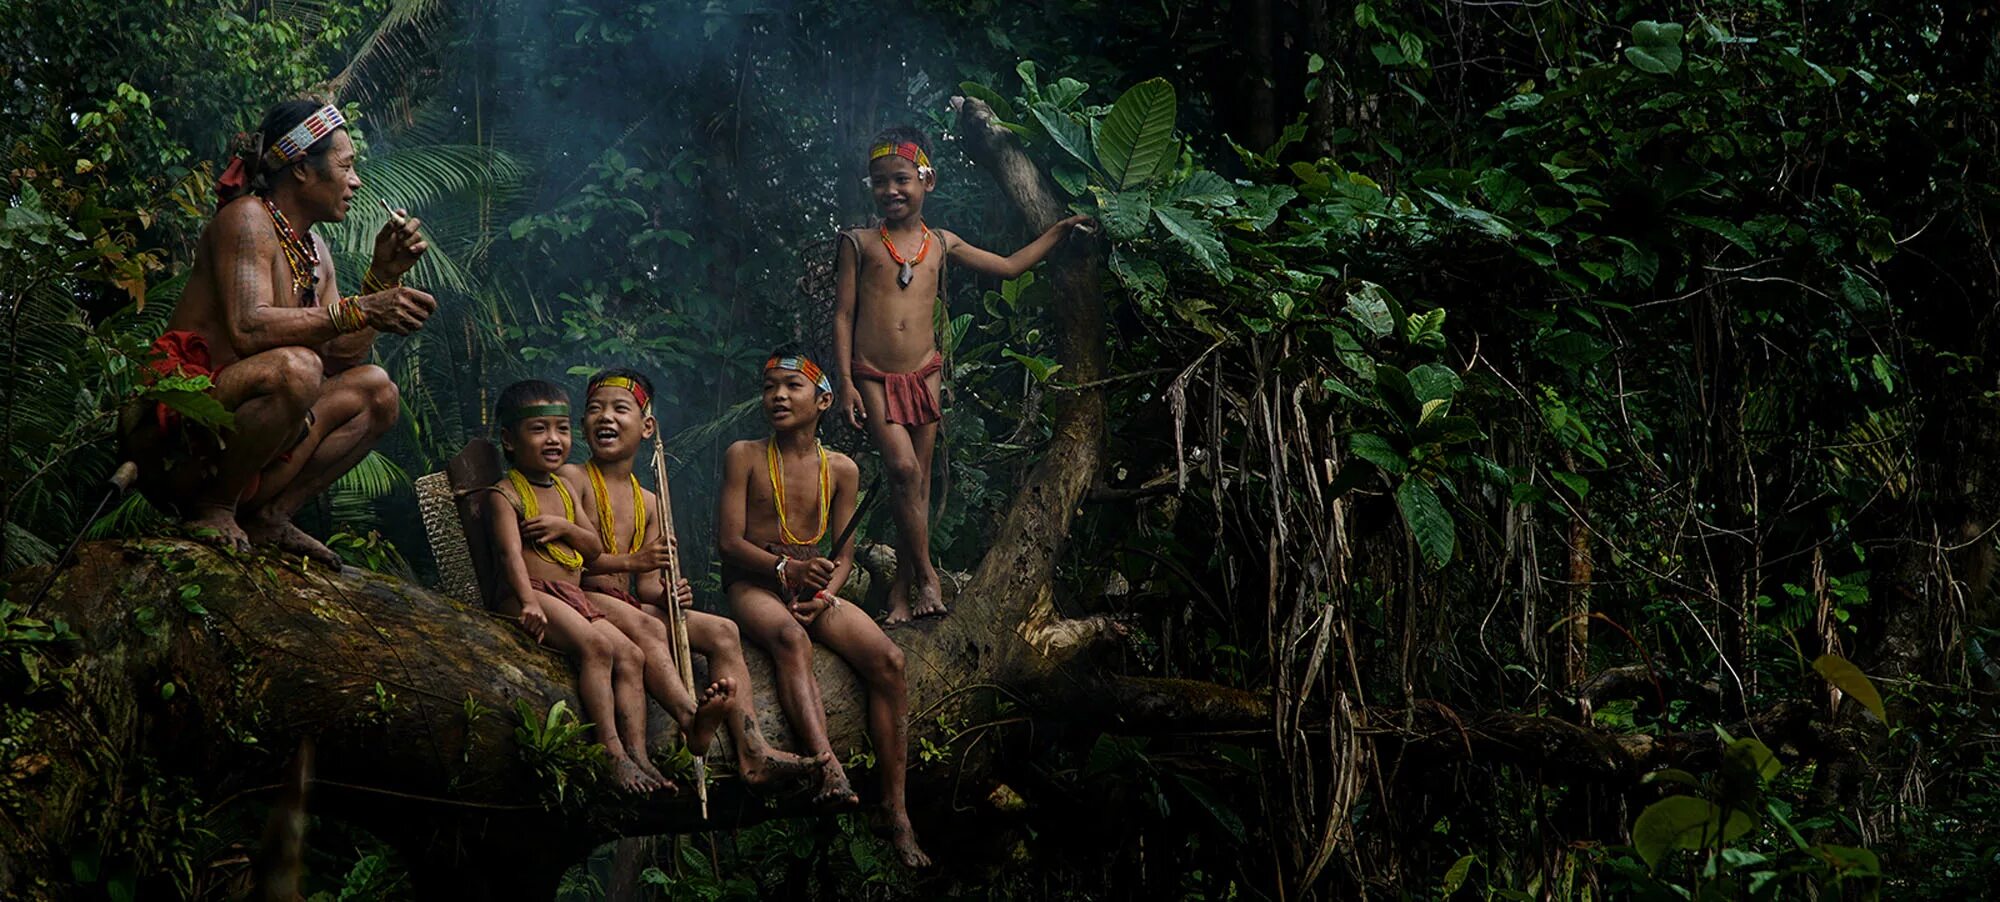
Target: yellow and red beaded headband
<point>804,366</point>
<point>908,150</point>
<point>627,383</point>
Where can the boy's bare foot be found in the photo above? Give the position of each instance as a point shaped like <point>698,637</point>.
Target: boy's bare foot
<point>777,773</point>
<point>287,537</point>
<point>646,764</point>
<point>899,601</point>
<point>216,525</point>
<point>835,793</point>
<point>930,599</point>
<point>708,715</point>
<point>895,827</point>
<point>629,777</point>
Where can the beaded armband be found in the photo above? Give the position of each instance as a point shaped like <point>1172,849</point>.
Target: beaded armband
<point>346,315</point>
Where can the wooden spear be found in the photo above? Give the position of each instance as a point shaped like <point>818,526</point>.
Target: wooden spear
<point>677,619</point>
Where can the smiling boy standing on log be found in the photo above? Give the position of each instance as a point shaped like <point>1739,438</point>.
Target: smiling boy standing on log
<point>782,496</point>
<point>887,280</point>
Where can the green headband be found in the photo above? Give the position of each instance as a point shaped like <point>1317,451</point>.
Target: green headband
<point>526,411</point>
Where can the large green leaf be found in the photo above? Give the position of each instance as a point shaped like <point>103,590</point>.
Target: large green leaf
<point>1369,306</point>
<point>1136,142</point>
<point>1849,679</point>
<point>1199,237</point>
<point>1429,522</point>
<point>1684,822</point>
<point>1068,133</point>
<point>1124,213</point>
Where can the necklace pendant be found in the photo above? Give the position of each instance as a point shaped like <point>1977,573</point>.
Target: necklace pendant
<point>905,275</point>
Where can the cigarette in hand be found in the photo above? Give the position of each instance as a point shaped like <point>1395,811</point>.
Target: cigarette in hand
<point>395,219</point>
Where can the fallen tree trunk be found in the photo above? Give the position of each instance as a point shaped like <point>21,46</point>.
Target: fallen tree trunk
<point>187,661</point>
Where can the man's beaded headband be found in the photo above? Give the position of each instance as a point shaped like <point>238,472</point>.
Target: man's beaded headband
<point>292,147</point>
<point>804,366</point>
<point>625,382</point>
<point>908,150</point>
<point>530,411</point>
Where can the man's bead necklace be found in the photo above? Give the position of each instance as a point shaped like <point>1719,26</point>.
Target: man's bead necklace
<point>301,255</point>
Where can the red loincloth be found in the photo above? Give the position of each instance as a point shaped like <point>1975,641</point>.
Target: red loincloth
<point>570,594</point>
<point>180,353</point>
<point>908,396</point>
<point>619,594</point>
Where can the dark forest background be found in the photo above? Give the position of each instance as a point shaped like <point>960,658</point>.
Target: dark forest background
<point>1508,390</point>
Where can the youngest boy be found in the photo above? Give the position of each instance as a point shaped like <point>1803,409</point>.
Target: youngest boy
<point>781,497</point>
<point>617,422</point>
<point>542,555</point>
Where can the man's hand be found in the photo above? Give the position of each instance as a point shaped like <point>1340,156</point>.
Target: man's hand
<point>1075,224</point>
<point>818,573</point>
<point>397,247</point>
<point>849,403</point>
<point>533,620</point>
<point>399,311</point>
<point>805,612</point>
<point>546,528</point>
<point>684,593</point>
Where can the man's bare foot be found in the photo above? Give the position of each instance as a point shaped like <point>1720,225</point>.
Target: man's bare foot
<point>835,793</point>
<point>627,774</point>
<point>216,525</point>
<point>930,598</point>
<point>287,537</point>
<point>899,601</point>
<point>895,827</point>
<point>700,729</point>
<point>775,773</point>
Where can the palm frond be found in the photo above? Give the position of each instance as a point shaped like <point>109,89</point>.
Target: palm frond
<point>394,44</point>
<point>25,549</point>
<point>430,180</point>
<point>135,516</point>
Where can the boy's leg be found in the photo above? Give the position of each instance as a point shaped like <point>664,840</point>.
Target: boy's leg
<point>771,627</point>
<point>905,454</point>
<point>628,693</point>
<point>879,663</point>
<point>594,655</point>
<point>758,763</point>
<point>661,677</point>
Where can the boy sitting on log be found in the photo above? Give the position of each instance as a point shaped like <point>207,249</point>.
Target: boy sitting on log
<point>887,280</point>
<point>780,498</point>
<point>542,556</point>
<point>618,421</point>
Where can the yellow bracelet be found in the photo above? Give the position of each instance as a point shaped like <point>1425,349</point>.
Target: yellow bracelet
<point>371,285</point>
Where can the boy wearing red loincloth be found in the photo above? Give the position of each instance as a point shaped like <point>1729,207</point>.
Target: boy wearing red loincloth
<point>617,423</point>
<point>543,550</point>
<point>885,351</point>
<point>781,497</point>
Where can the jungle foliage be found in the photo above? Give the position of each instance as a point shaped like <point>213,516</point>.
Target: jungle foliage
<point>1620,365</point>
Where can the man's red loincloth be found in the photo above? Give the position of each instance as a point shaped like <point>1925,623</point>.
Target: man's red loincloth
<point>180,353</point>
<point>909,398</point>
<point>570,594</point>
